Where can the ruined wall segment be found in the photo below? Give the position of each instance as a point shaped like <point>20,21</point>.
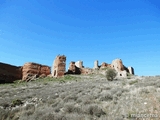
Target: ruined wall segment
<point>59,66</point>
<point>131,70</point>
<point>73,69</point>
<point>96,65</point>
<point>117,64</point>
<point>79,64</point>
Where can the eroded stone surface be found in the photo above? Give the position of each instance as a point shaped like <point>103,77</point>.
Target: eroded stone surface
<point>59,66</point>
<point>34,69</point>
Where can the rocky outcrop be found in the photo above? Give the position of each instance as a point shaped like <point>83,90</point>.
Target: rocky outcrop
<point>59,66</point>
<point>32,70</point>
<point>9,73</point>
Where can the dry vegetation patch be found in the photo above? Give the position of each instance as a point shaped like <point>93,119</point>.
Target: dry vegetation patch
<point>80,97</point>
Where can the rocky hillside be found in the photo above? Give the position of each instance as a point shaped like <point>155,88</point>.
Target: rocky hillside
<point>81,97</point>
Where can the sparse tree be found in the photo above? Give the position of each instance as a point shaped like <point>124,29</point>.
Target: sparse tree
<point>111,74</point>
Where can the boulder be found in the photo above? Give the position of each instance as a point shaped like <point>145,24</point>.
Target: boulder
<point>34,69</point>
<point>9,73</point>
<point>59,66</point>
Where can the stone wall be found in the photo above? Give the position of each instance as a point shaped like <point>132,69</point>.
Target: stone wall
<point>73,69</point>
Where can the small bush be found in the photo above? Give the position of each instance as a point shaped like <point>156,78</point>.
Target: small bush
<point>110,74</point>
<point>69,108</point>
<point>93,109</point>
<point>16,102</point>
<point>106,97</point>
<point>70,98</point>
<point>29,109</point>
<point>129,76</point>
<point>3,114</point>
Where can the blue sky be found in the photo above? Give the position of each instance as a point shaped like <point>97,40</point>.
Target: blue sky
<point>87,30</point>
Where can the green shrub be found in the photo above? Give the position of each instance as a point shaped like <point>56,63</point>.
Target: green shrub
<point>110,74</point>
<point>16,102</point>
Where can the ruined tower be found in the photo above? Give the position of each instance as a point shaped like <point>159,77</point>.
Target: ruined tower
<point>96,64</point>
<point>59,66</point>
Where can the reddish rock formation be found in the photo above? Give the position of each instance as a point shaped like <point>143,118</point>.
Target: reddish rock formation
<point>9,73</point>
<point>59,66</point>
<point>34,69</point>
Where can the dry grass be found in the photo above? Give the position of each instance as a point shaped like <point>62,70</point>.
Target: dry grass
<point>83,97</point>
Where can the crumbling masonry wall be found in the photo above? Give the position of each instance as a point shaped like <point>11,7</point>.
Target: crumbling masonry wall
<point>59,66</point>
